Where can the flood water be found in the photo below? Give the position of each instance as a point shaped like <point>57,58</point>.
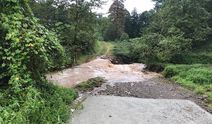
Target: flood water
<point>101,68</point>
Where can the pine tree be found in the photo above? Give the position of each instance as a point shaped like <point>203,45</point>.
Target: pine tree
<point>117,16</point>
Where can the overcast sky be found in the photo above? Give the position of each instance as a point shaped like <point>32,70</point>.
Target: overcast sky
<point>140,5</point>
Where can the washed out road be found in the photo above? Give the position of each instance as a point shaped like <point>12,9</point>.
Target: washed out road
<point>131,96</point>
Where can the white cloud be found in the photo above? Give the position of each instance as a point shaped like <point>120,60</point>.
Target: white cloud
<point>140,5</point>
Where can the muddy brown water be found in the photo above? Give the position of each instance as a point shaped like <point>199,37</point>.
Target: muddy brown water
<point>101,68</point>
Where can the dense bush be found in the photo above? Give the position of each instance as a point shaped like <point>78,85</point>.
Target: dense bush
<point>201,55</point>
<point>121,51</point>
<point>173,31</point>
<point>138,49</point>
<point>27,51</point>
<point>55,107</point>
<point>45,103</point>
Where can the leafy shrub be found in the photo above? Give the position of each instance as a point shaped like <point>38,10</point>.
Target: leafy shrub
<point>170,47</point>
<point>27,51</point>
<point>56,104</point>
<point>121,51</point>
<point>200,55</point>
<point>155,67</point>
<point>124,36</point>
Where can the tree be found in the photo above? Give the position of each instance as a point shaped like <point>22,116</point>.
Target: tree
<point>133,24</point>
<point>186,17</point>
<point>174,30</point>
<point>208,6</point>
<point>144,19</point>
<point>117,14</point>
<point>158,4</point>
<point>73,21</point>
<point>136,24</point>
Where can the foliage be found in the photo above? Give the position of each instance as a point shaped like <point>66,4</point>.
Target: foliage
<point>117,14</point>
<point>121,51</point>
<point>132,24</point>
<point>201,55</point>
<point>56,104</point>
<point>74,22</point>
<point>124,36</point>
<point>196,77</point>
<point>110,33</point>
<point>101,48</point>
<point>176,28</point>
<point>122,22</point>
<point>128,51</point>
<point>27,51</point>
<point>170,47</point>
<point>136,24</point>
<point>90,84</point>
<point>102,25</point>
<point>185,17</point>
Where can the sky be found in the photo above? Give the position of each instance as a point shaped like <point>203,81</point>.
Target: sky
<point>140,5</point>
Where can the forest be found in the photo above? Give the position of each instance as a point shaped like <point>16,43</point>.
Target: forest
<point>41,36</point>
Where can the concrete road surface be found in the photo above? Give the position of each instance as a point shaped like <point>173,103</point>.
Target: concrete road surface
<point>128,110</point>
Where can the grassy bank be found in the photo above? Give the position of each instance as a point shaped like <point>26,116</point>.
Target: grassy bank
<point>57,102</point>
<point>196,73</point>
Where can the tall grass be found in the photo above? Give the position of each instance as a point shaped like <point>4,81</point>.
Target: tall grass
<point>197,77</point>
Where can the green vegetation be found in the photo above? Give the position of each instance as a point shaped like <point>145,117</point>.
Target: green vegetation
<point>90,84</point>
<point>50,105</point>
<point>195,73</point>
<point>55,107</point>
<point>101,48</point>
<point>37,36</point>
<point>201,55</point>
<point>196,77</point>
<point>74,23</point>
<point>177,38</point>
<point>125,50</point>
<point>27,51</point>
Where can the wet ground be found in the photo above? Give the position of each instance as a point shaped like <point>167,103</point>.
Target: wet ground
<point>133,93</point>
<point>128,80</point>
